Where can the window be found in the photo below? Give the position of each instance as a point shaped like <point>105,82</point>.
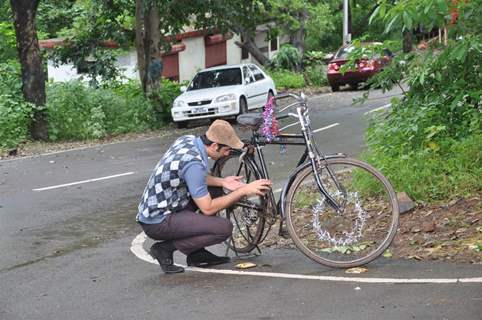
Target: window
<point>216,78</point>
<point>248,77</point>
<point>258,75</point>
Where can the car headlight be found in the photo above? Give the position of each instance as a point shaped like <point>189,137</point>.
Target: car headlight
<point>179,104</point>
<point>226,97</point>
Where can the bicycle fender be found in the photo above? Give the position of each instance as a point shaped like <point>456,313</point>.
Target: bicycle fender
<point>291,178</point>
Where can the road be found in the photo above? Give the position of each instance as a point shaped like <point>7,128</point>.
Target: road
<point>67,226</point>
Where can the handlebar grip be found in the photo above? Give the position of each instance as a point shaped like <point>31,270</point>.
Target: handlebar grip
<point>283,116</point>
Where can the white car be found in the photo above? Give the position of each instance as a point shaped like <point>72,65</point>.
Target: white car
<point>223,91</point>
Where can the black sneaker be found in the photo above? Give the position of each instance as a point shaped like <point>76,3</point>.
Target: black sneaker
<point>163,252</point>
<point>204,258</point>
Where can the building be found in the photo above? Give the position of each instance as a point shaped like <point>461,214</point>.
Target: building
<point>194,50</point>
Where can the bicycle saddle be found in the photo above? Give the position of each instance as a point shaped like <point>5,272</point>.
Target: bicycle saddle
<point>253,120</point>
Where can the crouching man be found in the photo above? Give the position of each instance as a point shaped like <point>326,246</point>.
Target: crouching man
<point>179,185</point>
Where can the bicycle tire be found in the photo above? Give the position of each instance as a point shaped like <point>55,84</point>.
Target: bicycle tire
<point>369,213</point>
<point>248,225</point>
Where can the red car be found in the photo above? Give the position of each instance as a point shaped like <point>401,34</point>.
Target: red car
<point>365,68</point>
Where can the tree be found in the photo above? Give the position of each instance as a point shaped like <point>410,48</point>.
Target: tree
<point>33,77</point>
<point>211,16</point>
<point>242,17</point>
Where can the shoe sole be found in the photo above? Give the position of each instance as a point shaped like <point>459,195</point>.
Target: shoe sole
<point>207,264</point>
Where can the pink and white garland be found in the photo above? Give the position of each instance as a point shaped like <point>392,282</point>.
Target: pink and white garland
<point>270,127</point>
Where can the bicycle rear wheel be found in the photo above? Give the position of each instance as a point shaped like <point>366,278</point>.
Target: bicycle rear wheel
<point>246,215</point>
<point>356,234</point>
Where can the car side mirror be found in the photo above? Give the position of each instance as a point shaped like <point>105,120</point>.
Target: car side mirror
<point>328,56</point>
<point>247,80</point>
<point>183,89</point>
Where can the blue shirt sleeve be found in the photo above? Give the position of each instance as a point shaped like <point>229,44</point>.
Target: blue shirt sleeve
<point>195,177</point>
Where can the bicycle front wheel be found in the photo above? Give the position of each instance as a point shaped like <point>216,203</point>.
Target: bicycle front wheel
<point>357,232</point>
<point>247,215</point>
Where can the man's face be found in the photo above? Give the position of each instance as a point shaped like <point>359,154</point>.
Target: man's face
<point>215,151</point>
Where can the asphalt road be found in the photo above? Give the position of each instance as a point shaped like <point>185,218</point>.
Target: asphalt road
<point>65,251</point>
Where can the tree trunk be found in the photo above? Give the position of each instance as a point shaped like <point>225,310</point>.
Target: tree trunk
<point>249,44</point>
<point>297,38</point>
<point>141,64</point>
<point>33,77</point>
<point>407,42</point>
<point>147,46</point>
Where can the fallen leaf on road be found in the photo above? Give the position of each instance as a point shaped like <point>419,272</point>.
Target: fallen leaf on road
<point>356,270</point>
<point>245,265</point>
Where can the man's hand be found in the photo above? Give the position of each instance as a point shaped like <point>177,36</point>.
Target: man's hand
<point>258,187</point>
<point>233,182</point>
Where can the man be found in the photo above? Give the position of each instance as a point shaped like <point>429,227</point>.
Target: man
<point>178,187</point>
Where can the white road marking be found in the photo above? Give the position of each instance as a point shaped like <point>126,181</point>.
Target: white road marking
<point>84,181</point>
<point>138,250</point>
<point>327,127</point>
<point>379,108</point>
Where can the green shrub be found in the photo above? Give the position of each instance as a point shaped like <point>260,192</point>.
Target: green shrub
<point>164,98</point>
<point>453,171</point>
<point>287,58</point>
<point>315,75</point>
<point>15,115</point>
<point>77,111</point>
<point>429,143</point>
<point>285,79</point>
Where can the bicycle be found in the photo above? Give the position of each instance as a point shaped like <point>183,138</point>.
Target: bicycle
<point>340,212</point>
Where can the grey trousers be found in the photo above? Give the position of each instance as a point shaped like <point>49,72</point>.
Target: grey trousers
<point>191,231</point>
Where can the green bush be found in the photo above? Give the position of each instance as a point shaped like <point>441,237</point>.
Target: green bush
<point>453,171</point>
<point>15,116</point>
<point>287,58</point>
<point>315,75</point>
<point>76,111</point>
<point>285,79</point>
<point>15,113</point>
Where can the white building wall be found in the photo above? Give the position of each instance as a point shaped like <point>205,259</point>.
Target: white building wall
<point>192,58</point>
<point>233,52</point>
<point>66,72</point>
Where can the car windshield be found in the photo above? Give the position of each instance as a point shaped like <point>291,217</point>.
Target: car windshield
<point>216,78</point>
<point>344,52</point>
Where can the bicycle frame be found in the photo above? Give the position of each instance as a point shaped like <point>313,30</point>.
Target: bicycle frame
<point>283,139</point>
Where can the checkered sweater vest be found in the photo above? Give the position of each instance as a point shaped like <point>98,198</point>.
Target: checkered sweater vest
<point>166,192</point>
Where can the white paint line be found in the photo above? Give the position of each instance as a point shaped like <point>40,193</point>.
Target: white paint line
<point>84,181</point>
<point>138,250</point>
<point>327,127</point>
<point>378,109</point>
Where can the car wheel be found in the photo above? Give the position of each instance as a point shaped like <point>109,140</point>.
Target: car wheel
<point>181,124</point>
<point>335,88</point>
<point>243,105</point>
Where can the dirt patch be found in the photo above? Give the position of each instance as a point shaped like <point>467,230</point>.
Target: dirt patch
<point>445,231</point>
<point>449,231</point>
